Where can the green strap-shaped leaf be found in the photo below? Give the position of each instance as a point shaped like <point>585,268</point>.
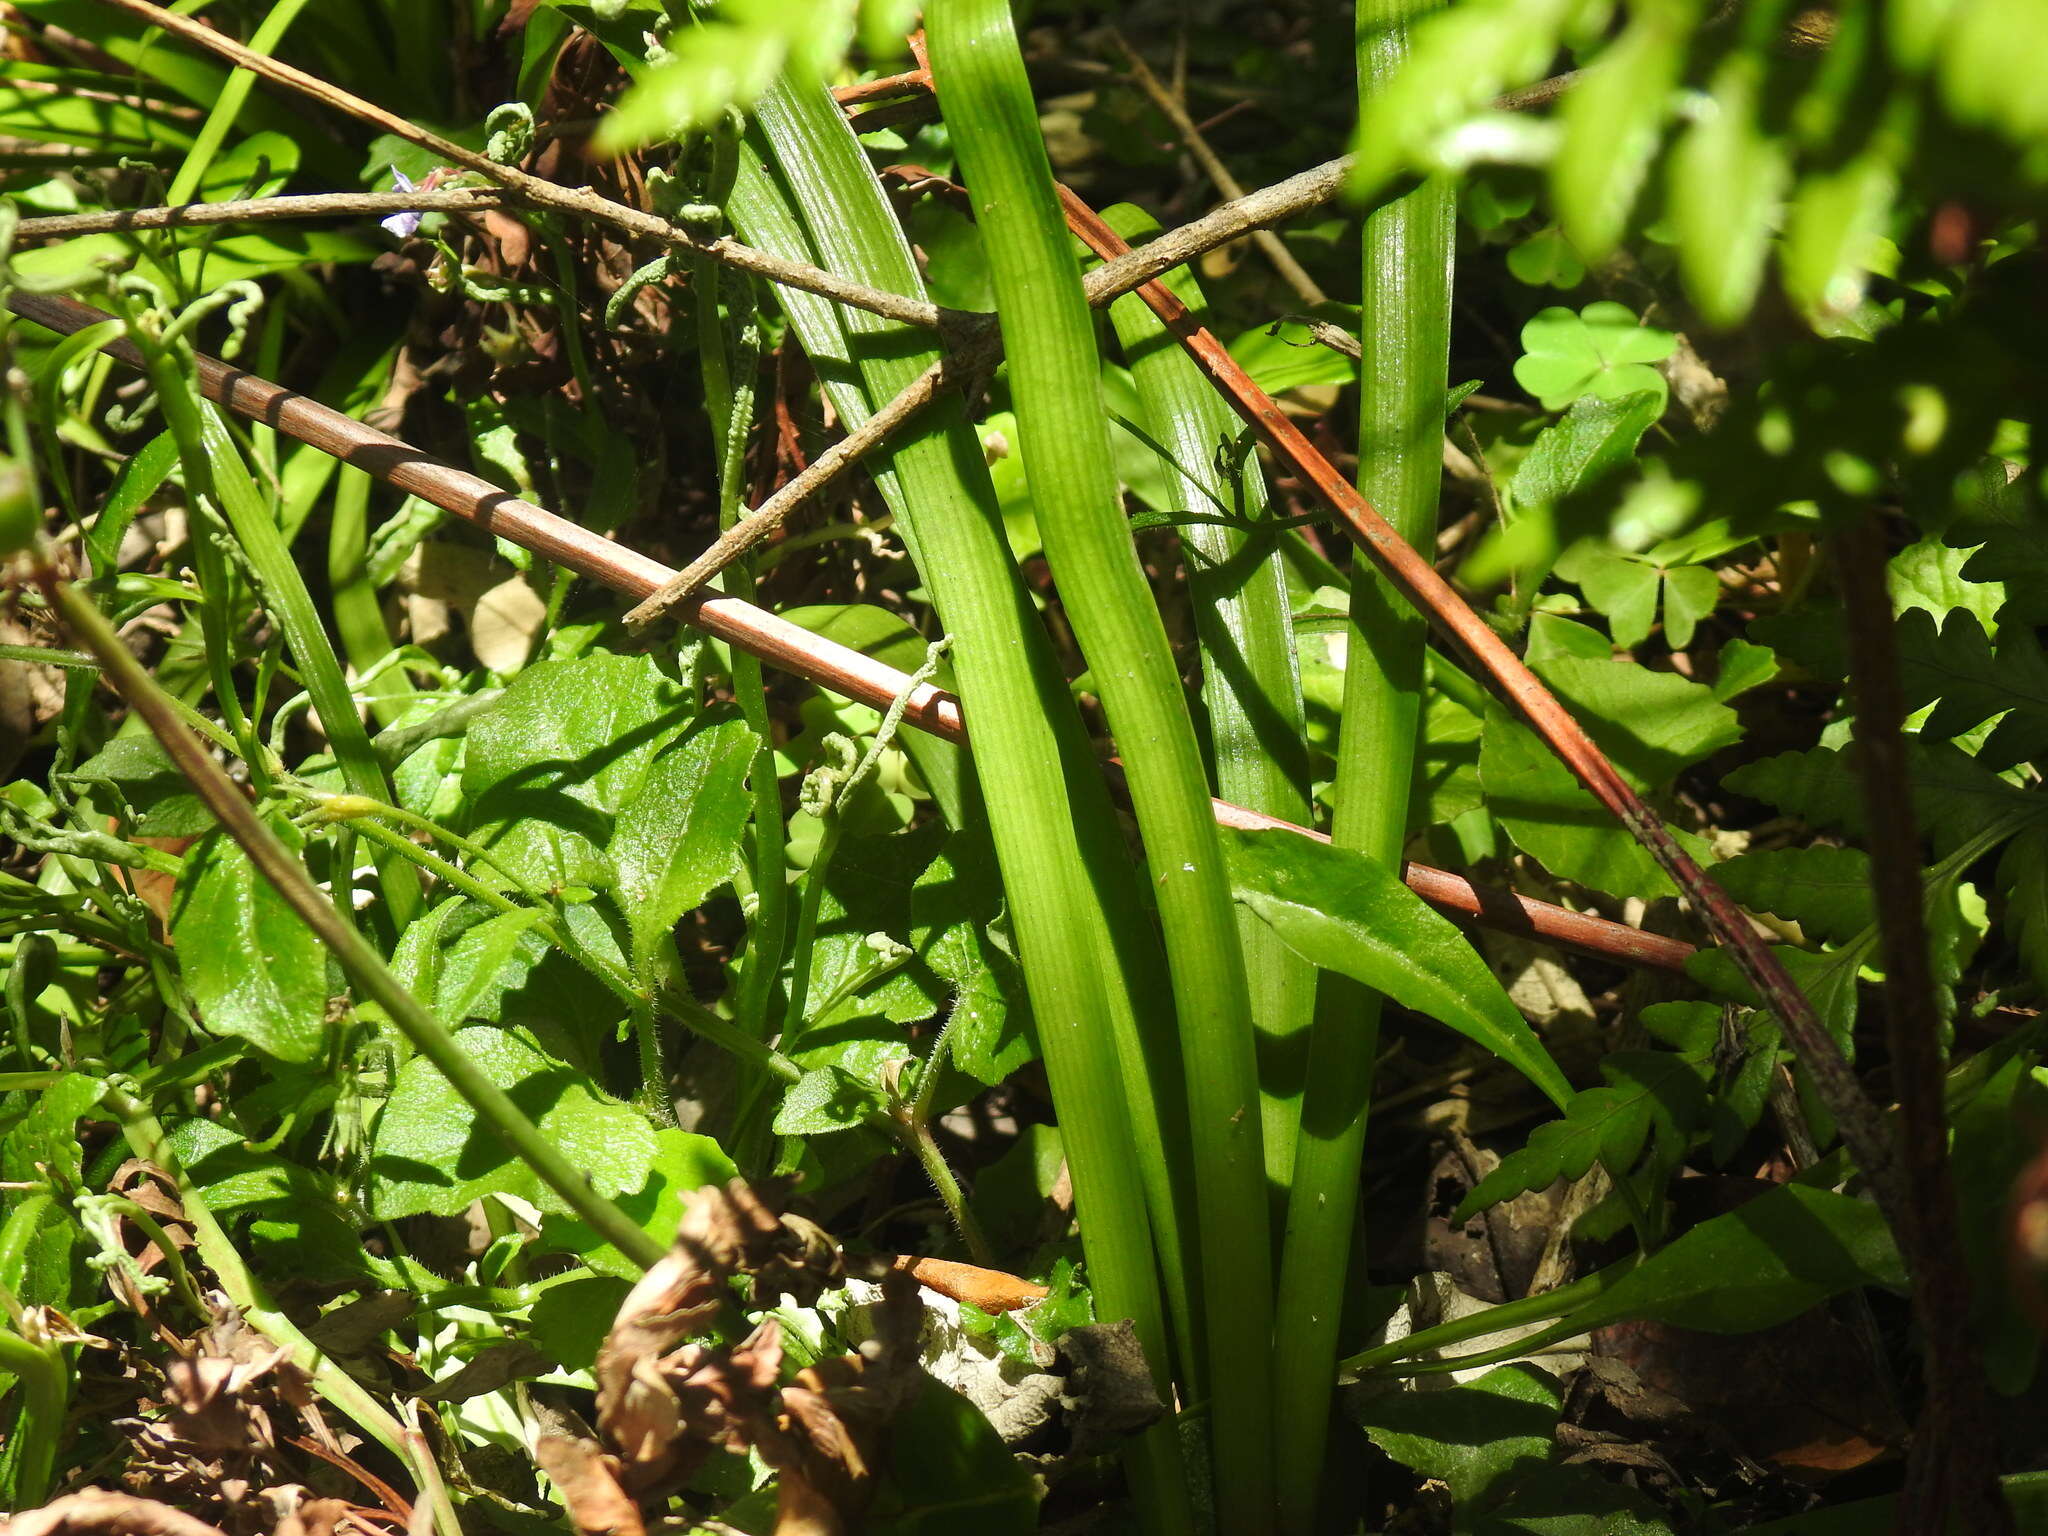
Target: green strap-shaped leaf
<point>1054,385</point>
<point>1346,912</point>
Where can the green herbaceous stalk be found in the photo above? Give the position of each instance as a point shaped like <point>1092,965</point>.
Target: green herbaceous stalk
<point>1251,687</point>
<point>1071,894</point>
<point>1064,432</point>
<point>1405,319</point>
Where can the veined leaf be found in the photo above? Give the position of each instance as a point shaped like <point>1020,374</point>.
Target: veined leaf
<point>554,762</point>
<point>1646,1093</point>
<point>1345,912</point>
<point>431,1154</point>
<point>1825,890</point>
<point>1603,350</point>
<point>677,838</point>
<point>252,964</point>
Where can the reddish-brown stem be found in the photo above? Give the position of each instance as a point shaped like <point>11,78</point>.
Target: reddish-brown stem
<point>1861,1124</point>
<point>774,640</point>
<point>1951,1470</point>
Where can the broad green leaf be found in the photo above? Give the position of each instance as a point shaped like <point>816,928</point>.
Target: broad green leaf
<point>1473,1438</point>
<point>683,1161</point>
<point>571,1318</point>
<point>423,948</point>
<point>960,929</point>
<point>252,965</point>
<point>1546,259</point>
<point>1957,666</point>
<point>1613,120</point>
<point>1762,1264</point>
<point>469,972</point>
<point>727,58</point>
<point>887,637</point>
<point>46,1131</point>
<point>1825,890</point>
<point>1623,589</point>
<point>1458,60</point>
<point>1646,1092</point>
<point>1596,438</point>
<point>678,838</point>
<point>1345,912</point>
<point>827,1099</point>
<point>235,1178</point>
<point>1690,592</point>
<point>1602,350</point>
<point>948,1470</point>
<point>1941,579</point>
<point>151,784</point>
<point>1285,355</point>
<point>864,911</point>
<point>1743,665</point>
<point>1832,227</point>
<point>431,1155</point>
<point>555,760</point>
<point>1552,817</point>
<point>1652,725</point>
<point>1727,173</point>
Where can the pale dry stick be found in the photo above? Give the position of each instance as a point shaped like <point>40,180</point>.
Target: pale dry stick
<point>1219,226</point>
<point>262,210</point>
<point>1270,245</point>
<point>775,640</point>
<point>1862,1125</point>
<point>538,190</point>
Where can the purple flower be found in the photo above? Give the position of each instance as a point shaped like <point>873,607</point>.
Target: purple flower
<point>402,225</point>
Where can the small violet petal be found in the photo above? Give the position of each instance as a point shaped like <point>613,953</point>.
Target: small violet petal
<point>402,226</point>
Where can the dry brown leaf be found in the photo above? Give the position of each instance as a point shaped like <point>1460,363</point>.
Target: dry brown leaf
<point>589,1485</point>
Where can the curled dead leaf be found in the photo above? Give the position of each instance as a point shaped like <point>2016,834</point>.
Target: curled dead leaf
<point>991,1290</point>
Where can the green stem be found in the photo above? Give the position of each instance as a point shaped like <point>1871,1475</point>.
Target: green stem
<point>1406,312</point>
<point>1054,372</point>
<point>364,966</point>
<point>31,1451</point>
<point>1511,1314</point>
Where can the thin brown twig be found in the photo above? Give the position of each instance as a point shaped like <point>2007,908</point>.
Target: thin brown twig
<point>774,640</point>
<point>1292,272</point>
<point>1862,1126</point>
<point>1950,1471</point>
<point>263,210</point>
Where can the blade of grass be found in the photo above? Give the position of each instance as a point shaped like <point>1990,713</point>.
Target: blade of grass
<point>1406,310</point>
<point>1064,438</point>
<point>1066,874</point>
<point>1251,686</point>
